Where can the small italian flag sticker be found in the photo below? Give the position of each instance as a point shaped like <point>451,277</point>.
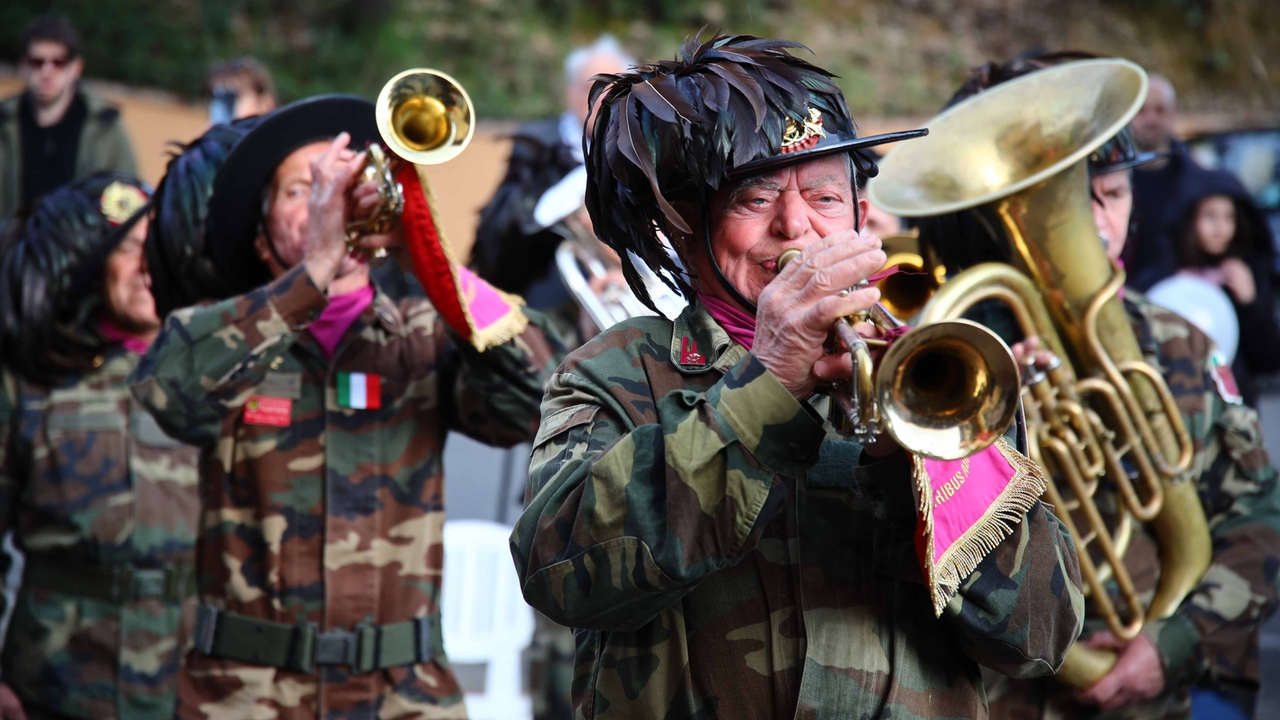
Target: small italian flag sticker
<point>361,391</point>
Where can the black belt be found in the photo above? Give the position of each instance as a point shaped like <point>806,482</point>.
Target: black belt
<point>116,583</point>
<point>301,648</point>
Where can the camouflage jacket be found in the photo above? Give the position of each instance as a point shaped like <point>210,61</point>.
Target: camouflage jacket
<point>91,488</point>
<point>1213,637</point>
<point>334,518</point>
<point>725,555</point>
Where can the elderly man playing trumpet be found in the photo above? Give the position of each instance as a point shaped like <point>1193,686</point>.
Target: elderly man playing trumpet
<point>722,551</point>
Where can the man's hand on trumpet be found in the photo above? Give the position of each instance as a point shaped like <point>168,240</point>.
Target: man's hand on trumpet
<point>798,309</point>
<point>365,201</point>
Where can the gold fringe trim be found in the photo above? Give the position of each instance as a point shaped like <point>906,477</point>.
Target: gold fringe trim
<point>502,330</point>
<point>996,524</point>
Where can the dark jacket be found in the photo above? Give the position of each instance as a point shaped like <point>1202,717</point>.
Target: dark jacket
<point>104,145</point>
<point>1148,254</point>
<point>1259,350</point>
<point>510,250</point>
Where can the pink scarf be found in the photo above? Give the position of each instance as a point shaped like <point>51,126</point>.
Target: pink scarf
<point>333,323</point>
<point>740,326</point>
<point>114,333</point>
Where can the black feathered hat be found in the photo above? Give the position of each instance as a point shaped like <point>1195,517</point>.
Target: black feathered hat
<point>181,273</point>
<point>729,108</point>
<point>236,206</point>
<point>51,272</point>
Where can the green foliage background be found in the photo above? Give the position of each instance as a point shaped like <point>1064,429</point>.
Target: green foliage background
<point>894,57</point>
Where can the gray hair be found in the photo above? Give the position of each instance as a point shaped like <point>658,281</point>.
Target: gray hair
<point>606,45</point>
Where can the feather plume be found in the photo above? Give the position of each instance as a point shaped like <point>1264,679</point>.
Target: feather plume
<point>181,273</point>
<point>51,270</point>
<point>673,130</point>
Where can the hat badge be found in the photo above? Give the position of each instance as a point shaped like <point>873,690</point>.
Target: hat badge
<point>803,135</point>
<point>120,201</point>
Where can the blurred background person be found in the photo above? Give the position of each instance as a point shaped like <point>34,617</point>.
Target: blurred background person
<point>1148,256</point>
<point>239,88</point>
<point>1222,237</point>
<point>513,251</point>
<point>53,131</point>
<point>101,502</point>
<point>516,252</point>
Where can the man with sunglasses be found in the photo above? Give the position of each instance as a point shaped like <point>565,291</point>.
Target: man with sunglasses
<point>54,132</point>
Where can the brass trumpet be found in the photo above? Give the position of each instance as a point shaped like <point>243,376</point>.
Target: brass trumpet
<point>945,390</point>
<point>425,117</point>
<point>1016,155</point>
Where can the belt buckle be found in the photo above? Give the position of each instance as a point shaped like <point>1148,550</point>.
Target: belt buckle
<point>146,583</point>
<point>206,628</point>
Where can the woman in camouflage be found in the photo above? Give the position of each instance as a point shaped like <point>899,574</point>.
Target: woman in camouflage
<point>101,502</point>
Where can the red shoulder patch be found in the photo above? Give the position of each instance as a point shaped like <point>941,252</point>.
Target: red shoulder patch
<point>689,354</point>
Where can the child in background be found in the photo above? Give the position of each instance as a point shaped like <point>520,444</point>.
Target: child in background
<point>1223,237</point>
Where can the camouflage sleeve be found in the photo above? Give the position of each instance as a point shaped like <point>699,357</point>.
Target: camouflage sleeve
<point>1217,627</point>
<point>621,522</point>
<point>198,369</point>
<point>496,394</point>
<point>1023,606</point>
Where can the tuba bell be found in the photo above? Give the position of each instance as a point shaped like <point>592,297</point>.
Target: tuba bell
<point>1016,155</point>
<point>425,117</point>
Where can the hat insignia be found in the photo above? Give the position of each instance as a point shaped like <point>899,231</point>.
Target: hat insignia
<point>120,201</point>
<point>803,135</point>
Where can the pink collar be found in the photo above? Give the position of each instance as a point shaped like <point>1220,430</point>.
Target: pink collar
<point>338,316</point>
<point>114,333</point>
<point>740,326</point>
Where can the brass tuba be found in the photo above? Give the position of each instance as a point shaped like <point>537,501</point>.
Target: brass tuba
<point>425,117</point>
<point>1016,155</point>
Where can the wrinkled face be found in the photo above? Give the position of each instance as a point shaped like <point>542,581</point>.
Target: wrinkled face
<point>1215,224</point>
<point>1112,206</point>
<point>1152,127</point>
<point>50,71</point>
<point>128,300</point>
<point>287,213</point>
<point>754,221</point>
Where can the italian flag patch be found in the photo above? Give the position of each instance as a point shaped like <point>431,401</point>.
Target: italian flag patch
<point>361,391</point>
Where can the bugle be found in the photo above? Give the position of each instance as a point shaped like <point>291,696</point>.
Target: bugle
<point>944,391</point>
<point>425,117</point>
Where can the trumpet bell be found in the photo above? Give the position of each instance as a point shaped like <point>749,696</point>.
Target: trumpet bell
<point>948,389</point>
<point>425,116</point>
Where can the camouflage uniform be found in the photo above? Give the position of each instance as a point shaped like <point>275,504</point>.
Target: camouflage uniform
<point>333,522</point>
<point>725,555</point>
<point>105,507</point>
<point>1213,638</point>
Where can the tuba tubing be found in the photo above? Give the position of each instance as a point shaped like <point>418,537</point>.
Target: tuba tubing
<point>1016,155</point>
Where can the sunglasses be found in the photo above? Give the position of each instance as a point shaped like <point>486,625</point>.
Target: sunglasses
<point>37,63</point>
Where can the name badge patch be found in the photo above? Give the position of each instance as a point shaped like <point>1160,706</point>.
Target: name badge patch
<point>272,411</point>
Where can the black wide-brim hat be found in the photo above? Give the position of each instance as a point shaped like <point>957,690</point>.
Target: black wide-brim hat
<point>236,206</point>
<point>831,144</point>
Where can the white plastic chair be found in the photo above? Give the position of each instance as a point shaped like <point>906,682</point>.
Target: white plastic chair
<point>485,618</point>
